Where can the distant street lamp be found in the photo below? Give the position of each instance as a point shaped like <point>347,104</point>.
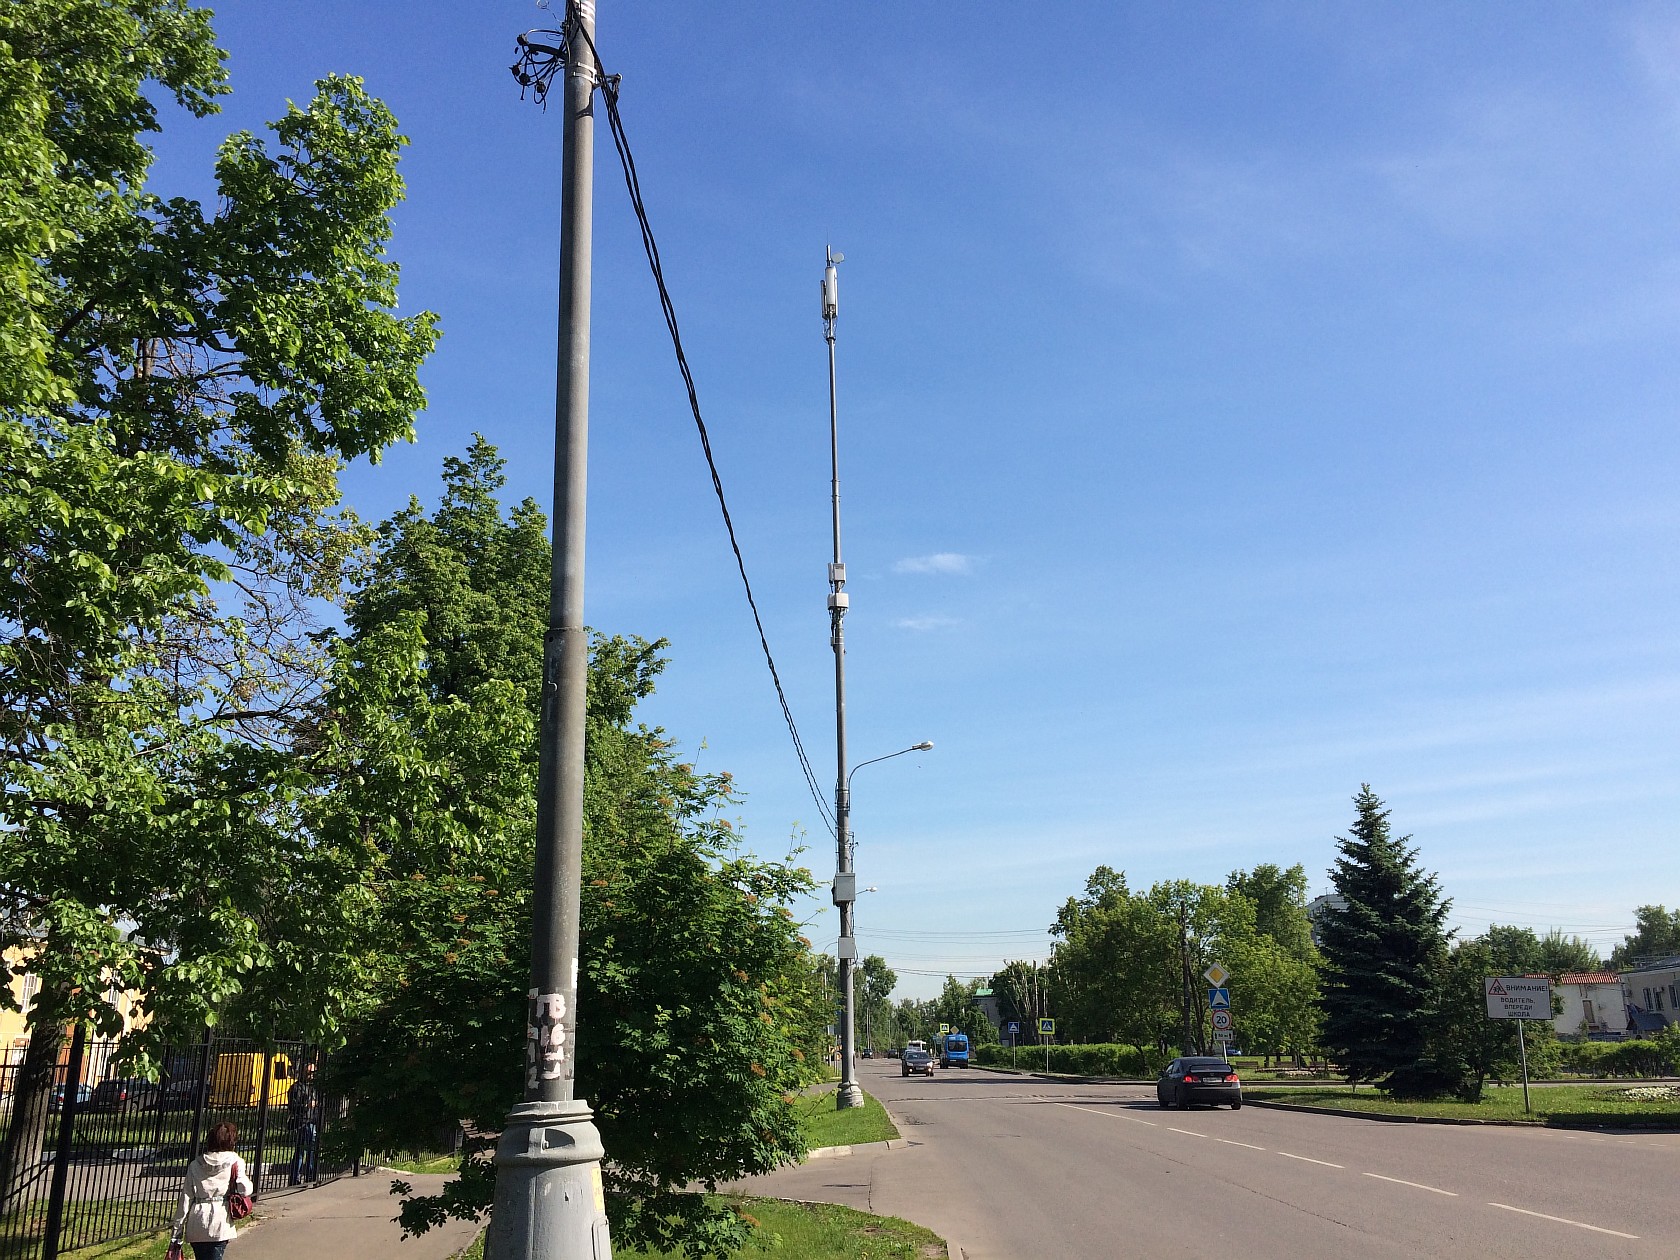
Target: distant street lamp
<point>850,1094</point>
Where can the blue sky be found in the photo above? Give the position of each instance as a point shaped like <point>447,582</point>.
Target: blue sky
<point>1239,404</point>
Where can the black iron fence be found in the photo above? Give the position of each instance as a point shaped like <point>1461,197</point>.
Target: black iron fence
<point>112,1157</point>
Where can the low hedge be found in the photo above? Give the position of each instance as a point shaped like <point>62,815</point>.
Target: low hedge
<point>1094,1060</point>
<point>1656,1056</point>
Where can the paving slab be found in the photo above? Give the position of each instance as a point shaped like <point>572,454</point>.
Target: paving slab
<point>348,1219</point>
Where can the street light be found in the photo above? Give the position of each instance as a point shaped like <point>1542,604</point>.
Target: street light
<point>850,1094</point>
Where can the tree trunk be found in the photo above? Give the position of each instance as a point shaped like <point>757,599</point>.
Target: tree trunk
<point>31,1113</point>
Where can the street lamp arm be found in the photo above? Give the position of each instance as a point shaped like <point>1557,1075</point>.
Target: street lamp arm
<point>925,746</point>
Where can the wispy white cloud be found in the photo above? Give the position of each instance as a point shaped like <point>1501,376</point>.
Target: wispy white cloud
<point>938,562</point>
<point>926,623</point>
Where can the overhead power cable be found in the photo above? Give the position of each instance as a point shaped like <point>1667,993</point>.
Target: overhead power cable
<point>609,93</point>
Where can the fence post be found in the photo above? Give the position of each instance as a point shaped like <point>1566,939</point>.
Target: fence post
<point>262,1118</point>
<point>203,1095</point>
<point>66,1135</point>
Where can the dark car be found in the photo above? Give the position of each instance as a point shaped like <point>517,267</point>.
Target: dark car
<point>1195,1079</point>
<point>120,1094</point>
<point>868,1053</point>
<point>893,1052</point>
<point>916,1061</point>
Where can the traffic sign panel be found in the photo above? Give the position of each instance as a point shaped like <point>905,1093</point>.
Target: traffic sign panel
<point>1047,1027</point>
<point>1218,998</point>
<point>1216,976</point>
<point>943,1029</point>
<point>1223,1036</point>
<point>1221,1020</point>
<point>1519,997</point>
<point>1013,1028</point>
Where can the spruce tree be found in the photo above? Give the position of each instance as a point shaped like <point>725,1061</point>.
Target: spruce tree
<point>1384,959</point>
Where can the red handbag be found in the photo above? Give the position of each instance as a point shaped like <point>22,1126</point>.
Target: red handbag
<point>238,1205</point>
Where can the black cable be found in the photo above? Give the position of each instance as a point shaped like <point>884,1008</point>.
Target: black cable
<point>609,93</point>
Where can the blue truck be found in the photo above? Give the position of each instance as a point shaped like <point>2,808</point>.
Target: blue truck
<point>954,1052</point>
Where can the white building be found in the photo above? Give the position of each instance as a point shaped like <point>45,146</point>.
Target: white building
<point>1592,1003</point>
<point>1652,992</point>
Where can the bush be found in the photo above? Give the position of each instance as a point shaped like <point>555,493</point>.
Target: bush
<point>1657,1056</point>
<point>1094,1060</point>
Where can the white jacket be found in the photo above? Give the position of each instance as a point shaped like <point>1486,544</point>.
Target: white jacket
<point>202,1213</point>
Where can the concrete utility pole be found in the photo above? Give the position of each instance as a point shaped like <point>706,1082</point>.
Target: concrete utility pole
<point>845,882</point>
<point>549,1202</point>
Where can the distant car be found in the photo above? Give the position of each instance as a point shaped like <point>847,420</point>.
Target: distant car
<point>84,1092</point>
<point>1195,1079</point>
<point>915,1061</point>
<point>893,1052</point>
<point>120,1094</point>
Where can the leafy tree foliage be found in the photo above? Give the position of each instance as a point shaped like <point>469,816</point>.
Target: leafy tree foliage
<point>1560,954</point>
<point>698,1013</point>
<point>1656,935</point>
<point>1385,956</point>
<point>1467,1047</point>
<point>178,389</point>
<point>1280,906</point>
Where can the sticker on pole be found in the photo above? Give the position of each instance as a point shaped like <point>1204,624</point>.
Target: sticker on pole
<point>1047,1027</point>
<point>1216,976</point>
<point>1519,997</point>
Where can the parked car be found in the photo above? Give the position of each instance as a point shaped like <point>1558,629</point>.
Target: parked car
<point>1195,1079</point>
<point>122,1093</point>
<point>84,1092</point>
<point>915,1061</point>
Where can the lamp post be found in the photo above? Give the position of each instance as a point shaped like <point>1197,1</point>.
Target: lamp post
<point>850,1094</point>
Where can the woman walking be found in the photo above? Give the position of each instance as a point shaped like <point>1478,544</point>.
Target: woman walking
<point>202,1217</point>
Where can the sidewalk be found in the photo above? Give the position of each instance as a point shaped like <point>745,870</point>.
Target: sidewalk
<point>348,1219</point>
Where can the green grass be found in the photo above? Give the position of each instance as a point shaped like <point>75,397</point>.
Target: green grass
<point>1553,1104</point>
<point>807,1231</point>
<point>824,1126</point>
<point>146,1247</point>
<point>418,1162</point>
<point>824,1231</point>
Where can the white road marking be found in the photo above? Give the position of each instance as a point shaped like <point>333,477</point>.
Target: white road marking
<point>1564,1220</point>
<point>1416,1185</point>
<point>1186,1132</point>
<point>1249,1145</point>
<point>1309,1159</point>
<point>1107,1115</point>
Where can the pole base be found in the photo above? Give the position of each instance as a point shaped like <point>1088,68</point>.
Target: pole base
<point>549,1203</point>
<point>848,1095</point>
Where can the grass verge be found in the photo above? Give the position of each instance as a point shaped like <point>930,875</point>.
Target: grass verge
<point>824,1126</point>
<point>810,1231</point>
<point>1613,1106</point>
<point>417,1162</point>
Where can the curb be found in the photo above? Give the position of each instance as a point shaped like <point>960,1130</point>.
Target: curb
<point>831,1152</point>
<point>1463,1121</point>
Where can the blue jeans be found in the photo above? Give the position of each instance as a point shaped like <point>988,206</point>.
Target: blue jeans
<point>307,1139</point>
<point>209,1250</point>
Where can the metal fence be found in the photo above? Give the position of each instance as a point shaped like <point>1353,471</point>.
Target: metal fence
<point>113,1156</point>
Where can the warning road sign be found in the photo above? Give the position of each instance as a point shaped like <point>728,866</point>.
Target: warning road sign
<point>1218,998</point>
<point>1519,997</point>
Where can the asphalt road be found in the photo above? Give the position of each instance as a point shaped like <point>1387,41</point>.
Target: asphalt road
<point>1009,1167</point>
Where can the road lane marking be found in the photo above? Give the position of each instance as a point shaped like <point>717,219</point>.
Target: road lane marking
<point>1107,1115</point>
<point>1309,1159</point>
<point>1564,1220</point>
<point>1416,1185</point>
<point>1186,1132</point>
<point>1249,1145</point>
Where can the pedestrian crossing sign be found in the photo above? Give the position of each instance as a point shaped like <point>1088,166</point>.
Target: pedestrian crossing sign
<point>1047,1027</point>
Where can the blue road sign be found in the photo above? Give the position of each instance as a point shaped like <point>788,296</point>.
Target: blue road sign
<point>1013,1027</point>
<point>1047,1027</point>
<point>1219,999</point>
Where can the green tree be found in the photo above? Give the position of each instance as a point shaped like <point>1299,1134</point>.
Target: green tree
<point>1468,1047</point>
<point>178,389</point>
<point>1280,905</point>
<point>873,983</point>
<point>1561,955</point>
<point>1656,935</point>
<point>1385,954</point>
<point>699,1004</point>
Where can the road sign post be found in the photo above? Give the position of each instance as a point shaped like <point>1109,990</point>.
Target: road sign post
<point>1047,1030</point>
<point>1014,1036</point>
<point>1520,998</point>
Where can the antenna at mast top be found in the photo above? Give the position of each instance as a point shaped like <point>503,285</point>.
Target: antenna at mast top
<point>831,285</point>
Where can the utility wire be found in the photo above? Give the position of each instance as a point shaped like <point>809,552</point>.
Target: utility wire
<point>609,93</point>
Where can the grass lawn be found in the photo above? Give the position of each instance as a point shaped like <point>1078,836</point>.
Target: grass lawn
<point>417,1162</point>
<point>1609,1105</point>
<point>824,1126</point>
